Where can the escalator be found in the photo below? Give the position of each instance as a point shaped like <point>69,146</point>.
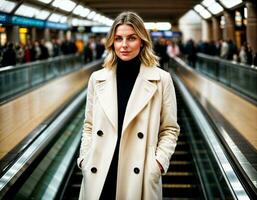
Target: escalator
<point>194,171</point>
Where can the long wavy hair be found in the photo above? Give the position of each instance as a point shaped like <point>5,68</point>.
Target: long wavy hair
<point>146,55</point>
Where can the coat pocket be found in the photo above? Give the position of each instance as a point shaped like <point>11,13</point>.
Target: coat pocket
<point>155,169</point>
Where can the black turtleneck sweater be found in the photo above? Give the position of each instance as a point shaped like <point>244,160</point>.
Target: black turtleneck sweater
<point>126,74</point>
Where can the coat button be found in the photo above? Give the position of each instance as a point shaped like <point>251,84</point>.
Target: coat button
<point>100,133</point>
<point>93,170</point>
<point>140,135</point>
<point>136,170</point>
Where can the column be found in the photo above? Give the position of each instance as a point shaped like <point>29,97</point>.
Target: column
<point>47,34</point>
<point>206,31</point>
<point>12,34</point>
<point>33,34</point>
<point>251,27</point>
<point>216,30</point>
<point>229,29</point>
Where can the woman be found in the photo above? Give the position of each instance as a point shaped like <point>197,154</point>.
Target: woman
<point>130,128</point>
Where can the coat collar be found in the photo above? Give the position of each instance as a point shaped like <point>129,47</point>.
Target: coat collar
<point>147,73</point>
<point>143,90</point>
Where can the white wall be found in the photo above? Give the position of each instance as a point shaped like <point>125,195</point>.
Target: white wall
<point>190,26</point>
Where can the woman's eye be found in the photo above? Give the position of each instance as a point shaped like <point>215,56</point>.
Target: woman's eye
<point>132,38</point>
<point>118,39</point>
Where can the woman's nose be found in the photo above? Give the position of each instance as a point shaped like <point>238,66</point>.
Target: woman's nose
<point>124,43</point>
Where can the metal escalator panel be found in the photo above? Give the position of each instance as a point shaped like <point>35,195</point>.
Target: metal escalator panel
<point>44,181</point>
<point>71,191</point>
<point>181,180</point>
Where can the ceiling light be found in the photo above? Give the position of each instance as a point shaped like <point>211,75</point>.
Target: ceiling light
<point>82,11</point>
<point>66,5</point>
<point>96,17</point>
<point>42,14</point>
<point>45,1</point>
<point>202,11</point>
<point>208,3</point>
<point>245,12</point>
<point>63,19</point>
<point>214,7</point>
<point>163,26</point>
<point>7,6</point>
<point>55,17</point>
<point>230,3</point>
<point>150,25</point>
<point>78,10</point>
<point>91,15</point>
<point>27,11</point>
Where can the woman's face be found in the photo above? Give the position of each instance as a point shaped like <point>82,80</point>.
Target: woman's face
<point>126,42</point>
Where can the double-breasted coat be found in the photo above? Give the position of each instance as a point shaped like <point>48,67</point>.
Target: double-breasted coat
<point>149,133</point>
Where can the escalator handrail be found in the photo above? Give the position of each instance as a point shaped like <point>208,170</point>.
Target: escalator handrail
<point>235,186</point>
<point>30,154</point>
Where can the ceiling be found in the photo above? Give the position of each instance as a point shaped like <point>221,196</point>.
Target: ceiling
<point>149,10</point>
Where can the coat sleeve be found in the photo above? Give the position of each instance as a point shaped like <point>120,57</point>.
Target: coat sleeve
<point>87,126</point>
<point>169,128</point>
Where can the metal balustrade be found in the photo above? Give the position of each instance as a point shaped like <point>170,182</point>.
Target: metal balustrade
<point>16,79</point>
<point>240,77</point>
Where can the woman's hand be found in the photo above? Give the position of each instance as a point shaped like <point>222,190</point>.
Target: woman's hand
<point>80,164</point>
<point>160,166</point>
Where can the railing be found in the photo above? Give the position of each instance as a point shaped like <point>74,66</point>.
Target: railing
<point>230,186</point>
<point>16,79</point>
<point>240,77</point>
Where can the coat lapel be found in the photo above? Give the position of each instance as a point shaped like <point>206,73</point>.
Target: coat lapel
<point>141,94</point>
<point>106,90</point>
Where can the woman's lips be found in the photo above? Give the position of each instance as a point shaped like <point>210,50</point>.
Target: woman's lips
<point>125,52</point>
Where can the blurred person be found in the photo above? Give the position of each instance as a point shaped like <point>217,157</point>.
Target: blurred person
<point>190,51</point>
<point>130,128</point>
<point>32,51</point>
<point>37,50</point>
<point>232,50</point>
<point>242,54</point>
<point>249,54</point>
<point>88,54</point>
<point>44,54</point>
<point>255,59</point>
<point>56,47</point>
<point>160,49</point>
<point>9,56</point>
<point>172,49</point>
<point>49,45</point>
<point>27,56</point>
<point>224,50</point>
<point>99,48</point>
<point>19,53</point>
<point>80,46</point>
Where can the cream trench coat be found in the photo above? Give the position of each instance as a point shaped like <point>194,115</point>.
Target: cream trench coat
<point>149,133</point>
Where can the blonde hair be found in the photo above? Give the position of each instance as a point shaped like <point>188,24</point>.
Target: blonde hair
<point>146,54</point>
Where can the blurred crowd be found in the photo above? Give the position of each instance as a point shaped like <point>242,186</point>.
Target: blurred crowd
<point>94,48</point>
<point>223,49</point>
<point>12,54</point>
<point>228,50</point>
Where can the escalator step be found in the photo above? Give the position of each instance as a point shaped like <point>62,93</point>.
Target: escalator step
<point>180,190</point>
<point>179,178</point>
